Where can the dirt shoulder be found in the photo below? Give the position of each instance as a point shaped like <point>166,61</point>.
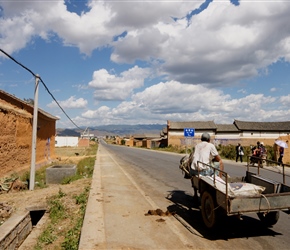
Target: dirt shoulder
<point>19,201</point>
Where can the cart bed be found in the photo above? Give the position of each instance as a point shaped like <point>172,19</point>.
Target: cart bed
<point>274,196</point>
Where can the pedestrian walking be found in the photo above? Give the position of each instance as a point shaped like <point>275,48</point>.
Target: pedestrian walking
<point>281,154</point>
<point>239,152</point>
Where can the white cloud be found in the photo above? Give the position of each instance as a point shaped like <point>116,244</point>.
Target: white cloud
<point>221,46</point>
<point>112,87</point>
<point>285,100</point>
<point>70,103</point>
<point>176,101</point>
<point>40,18</point>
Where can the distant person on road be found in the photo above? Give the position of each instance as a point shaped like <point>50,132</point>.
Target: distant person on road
<point>263,152</point>
<point>256,152</point>
<point>281,154</point>
<point>239,152</point>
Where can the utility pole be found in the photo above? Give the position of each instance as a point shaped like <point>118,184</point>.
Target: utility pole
<point>34,135</point>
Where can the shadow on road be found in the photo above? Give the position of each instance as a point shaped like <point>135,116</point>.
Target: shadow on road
<point>231,227</point>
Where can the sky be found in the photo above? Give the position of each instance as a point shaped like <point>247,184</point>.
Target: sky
<point>146,62</point>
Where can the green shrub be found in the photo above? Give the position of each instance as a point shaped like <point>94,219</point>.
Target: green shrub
<point>228,151</point>
<point>47,237</point>
<point>85,169</point>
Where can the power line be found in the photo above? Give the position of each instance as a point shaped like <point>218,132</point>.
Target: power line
<point>43,85</point>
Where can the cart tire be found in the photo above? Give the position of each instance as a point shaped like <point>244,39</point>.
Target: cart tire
<point>208,210</point>
<point>269,219</point>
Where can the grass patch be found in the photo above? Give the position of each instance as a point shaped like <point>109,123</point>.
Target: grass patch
<point>66,212</point>
<point>39,177</point>
<point>85,169</point>
<point>57,210</point>
<point>85,166</point>
<point>46,238</point>
<point>65,216</point>
<point>76,151</point>
<point>72,237</point>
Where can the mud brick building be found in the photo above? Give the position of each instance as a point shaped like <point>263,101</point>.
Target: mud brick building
<point>16,120</point>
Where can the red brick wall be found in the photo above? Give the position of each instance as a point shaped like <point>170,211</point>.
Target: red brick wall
<point>84,142</point>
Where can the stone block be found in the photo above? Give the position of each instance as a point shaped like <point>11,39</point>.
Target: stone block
<point>55,174</point>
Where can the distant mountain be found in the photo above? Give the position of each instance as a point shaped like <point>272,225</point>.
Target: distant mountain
<point>120,130</point>
<point>67,132</point>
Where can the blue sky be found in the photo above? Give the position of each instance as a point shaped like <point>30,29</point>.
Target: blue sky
<point>116,62</point>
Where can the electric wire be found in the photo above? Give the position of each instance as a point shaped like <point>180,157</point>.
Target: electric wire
<point>46,88</point>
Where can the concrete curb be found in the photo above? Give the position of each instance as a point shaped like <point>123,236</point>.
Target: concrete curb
<point>93,229</point>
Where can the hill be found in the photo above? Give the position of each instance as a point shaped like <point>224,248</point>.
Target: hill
<point>120,130</point>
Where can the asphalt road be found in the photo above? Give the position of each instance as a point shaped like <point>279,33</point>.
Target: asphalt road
<point>159,178</point>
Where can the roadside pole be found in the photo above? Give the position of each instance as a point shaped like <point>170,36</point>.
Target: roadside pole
<point>34,135</point>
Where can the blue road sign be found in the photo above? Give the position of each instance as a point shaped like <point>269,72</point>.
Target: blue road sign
<point>189,132</point>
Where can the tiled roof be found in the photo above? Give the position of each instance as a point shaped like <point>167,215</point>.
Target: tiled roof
<point>192,124</point>
<point>226,128</point>
<point>262,126</point>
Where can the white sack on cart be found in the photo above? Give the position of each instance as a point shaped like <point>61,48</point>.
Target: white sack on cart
<point>235,188</point>
<point>245,189</point>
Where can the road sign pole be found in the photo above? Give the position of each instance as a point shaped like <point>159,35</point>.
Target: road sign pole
<point>188,134</point>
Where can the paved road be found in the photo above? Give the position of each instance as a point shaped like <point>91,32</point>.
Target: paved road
<point>122,193</point>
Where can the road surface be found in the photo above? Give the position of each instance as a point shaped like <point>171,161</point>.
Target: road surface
<point>155,181</point>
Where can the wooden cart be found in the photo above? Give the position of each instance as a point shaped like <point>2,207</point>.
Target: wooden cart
<point>218,199</point>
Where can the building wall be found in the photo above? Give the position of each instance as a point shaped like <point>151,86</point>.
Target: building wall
<point>137,143</point>
<point>66,141</point>
<point>45,146</point>
<point>254,134</point>
<point>118,140</point>
<point>177,138</point>
<point>84,142</point>
<point>16,139</point>
<point>129,142</point>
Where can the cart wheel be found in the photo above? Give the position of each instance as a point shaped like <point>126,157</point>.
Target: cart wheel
<point>269,219</point>
<point>208,211</point>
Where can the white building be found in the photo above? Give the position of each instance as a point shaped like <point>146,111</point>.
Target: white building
<point>66,141</point>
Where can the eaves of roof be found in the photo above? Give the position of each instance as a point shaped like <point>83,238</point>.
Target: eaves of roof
<point>193,124</point>
<point>226,128</point>
<point>262,126</point>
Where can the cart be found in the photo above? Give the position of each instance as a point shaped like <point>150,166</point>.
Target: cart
<point>220,196</point>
